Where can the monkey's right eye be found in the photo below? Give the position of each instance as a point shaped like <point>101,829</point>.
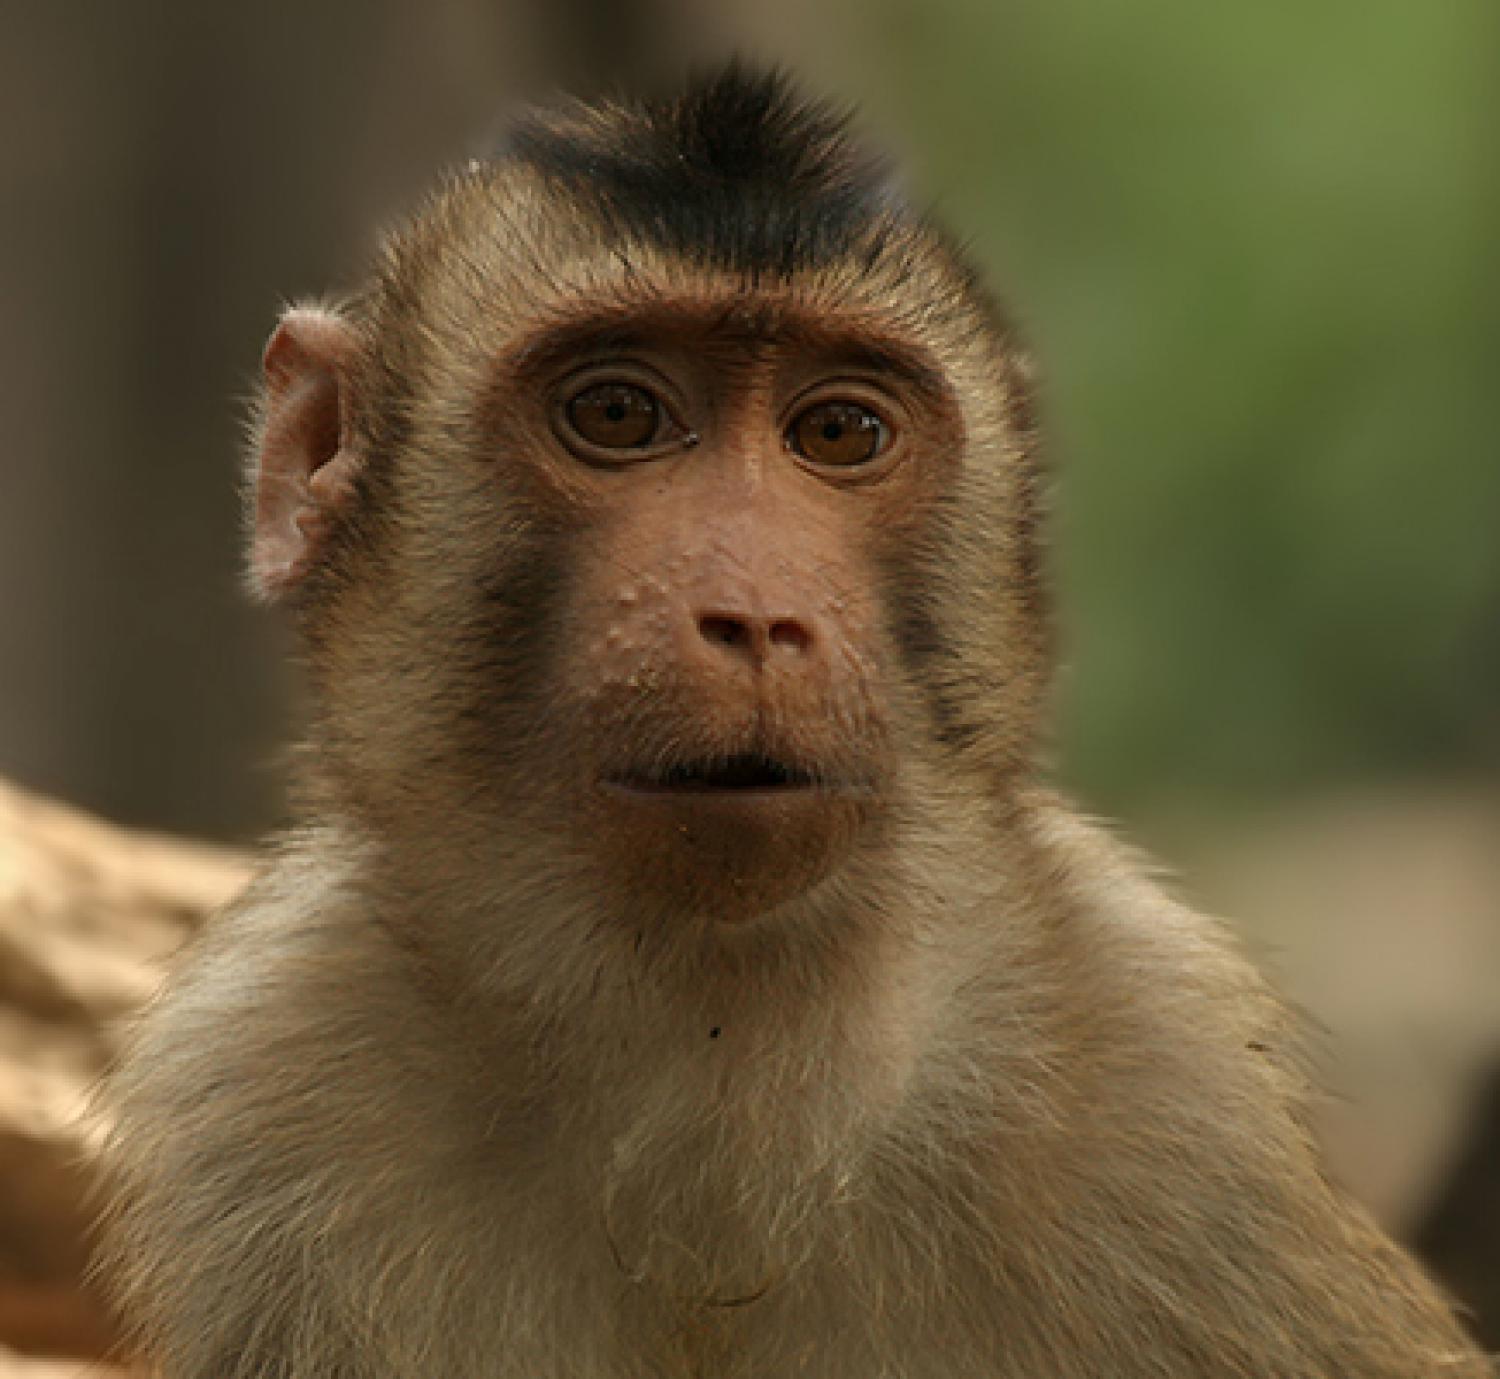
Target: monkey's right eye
<point>616,416</point>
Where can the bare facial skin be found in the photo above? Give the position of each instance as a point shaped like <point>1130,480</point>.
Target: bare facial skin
<point>727,488</point>
<point>679,968</point>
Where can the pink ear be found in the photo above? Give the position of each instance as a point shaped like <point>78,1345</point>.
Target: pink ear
<point>303,463</point>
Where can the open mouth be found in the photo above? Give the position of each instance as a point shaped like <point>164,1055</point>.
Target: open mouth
<point>744,771</point>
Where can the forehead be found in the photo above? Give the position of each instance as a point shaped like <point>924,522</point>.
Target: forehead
<point>506,263</point>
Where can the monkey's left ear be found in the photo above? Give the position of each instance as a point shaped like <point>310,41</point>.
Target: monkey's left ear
<point>303,462</point>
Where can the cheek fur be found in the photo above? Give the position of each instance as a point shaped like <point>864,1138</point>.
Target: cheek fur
<point>912,604</point>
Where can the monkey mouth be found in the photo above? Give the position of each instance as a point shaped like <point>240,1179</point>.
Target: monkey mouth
<point>739,773</point>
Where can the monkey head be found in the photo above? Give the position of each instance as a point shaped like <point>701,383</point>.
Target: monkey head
<point>665,500</point>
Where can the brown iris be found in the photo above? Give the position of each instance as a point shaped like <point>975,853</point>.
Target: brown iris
<point>837,433</point>
<point>615,416</point>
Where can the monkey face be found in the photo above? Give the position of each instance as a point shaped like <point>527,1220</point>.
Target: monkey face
<point>680,655</point>
<point>728,493</point>
<point>674,566</point>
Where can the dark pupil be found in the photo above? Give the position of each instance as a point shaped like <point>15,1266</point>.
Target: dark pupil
<point>616,415</point>
<point>838,433</point>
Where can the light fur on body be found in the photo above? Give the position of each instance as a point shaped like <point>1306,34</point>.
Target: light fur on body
<point>482,1082</point>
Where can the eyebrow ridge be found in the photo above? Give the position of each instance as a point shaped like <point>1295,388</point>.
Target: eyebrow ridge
<point>621,331</point>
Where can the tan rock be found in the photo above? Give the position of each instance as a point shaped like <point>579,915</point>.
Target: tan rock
<point>89,915</point>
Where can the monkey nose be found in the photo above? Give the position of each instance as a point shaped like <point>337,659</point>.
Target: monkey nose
<point>755,638</point>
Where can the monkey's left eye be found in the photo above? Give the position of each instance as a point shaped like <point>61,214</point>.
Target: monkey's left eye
<point>837,433</point>
<point>616,416</point>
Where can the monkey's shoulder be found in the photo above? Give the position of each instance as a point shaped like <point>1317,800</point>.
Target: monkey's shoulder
<point>1136,973</point>
<point>1149,1124</point>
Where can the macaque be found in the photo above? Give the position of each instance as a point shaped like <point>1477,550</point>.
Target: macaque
<point>679,967</point>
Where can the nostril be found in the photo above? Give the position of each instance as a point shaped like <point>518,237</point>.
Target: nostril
<point>724,631</point>
<point>756,637</point>
<point>789,635</point>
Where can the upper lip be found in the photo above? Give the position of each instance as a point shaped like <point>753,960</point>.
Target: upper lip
<point>735,771</point>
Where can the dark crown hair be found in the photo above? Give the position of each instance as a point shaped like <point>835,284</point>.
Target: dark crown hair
<point>739,171</point>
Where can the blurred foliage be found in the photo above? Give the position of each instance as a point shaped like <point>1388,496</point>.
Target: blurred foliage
<point>1254,249</point>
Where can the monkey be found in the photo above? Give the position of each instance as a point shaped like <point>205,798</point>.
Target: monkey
<point>681,964</point>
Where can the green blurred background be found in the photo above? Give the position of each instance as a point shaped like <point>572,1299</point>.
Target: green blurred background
<point>1254,247</point>
<point>1257,248</point>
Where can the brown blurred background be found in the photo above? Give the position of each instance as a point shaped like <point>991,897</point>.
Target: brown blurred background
<point>1254,247</point>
